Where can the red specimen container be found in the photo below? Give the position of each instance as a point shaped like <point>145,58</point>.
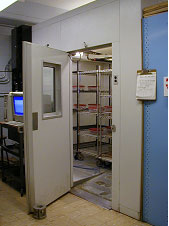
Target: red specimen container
<point>92,88</point>
<point>95,130</point>
<point>108,108</point>
<point>93,107</point>
<point>81,87</point>
<point>81,106</point>
<point>109,130</point>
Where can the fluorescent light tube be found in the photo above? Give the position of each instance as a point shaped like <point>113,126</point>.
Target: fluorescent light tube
<point>5,3</point>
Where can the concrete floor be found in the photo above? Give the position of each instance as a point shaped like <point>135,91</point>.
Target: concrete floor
<point>67,211</point>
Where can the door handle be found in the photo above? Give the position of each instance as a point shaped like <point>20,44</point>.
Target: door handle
<point>35,121</point>
<point>113,127</point>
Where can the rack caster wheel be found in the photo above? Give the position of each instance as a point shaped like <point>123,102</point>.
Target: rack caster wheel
<point>107,164</point>
<point>3,179</point>
<point>99,163</point>
<point>79,156</point>
<point>22,192</point>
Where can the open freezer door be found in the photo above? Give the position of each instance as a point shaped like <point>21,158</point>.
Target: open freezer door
<point>47,141</point>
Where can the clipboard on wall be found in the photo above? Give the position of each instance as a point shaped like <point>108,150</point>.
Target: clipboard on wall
<point>146,85</point>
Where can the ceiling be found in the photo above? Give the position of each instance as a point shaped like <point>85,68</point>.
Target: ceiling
<point>36,11</point>
<point>63,4</point>
<point>106,50</point>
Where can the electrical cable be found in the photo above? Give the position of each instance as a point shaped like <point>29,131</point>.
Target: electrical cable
<point>4,79</point>
<point>3,76</point>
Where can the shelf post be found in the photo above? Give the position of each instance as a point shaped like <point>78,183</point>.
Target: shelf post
<point>78,106</point>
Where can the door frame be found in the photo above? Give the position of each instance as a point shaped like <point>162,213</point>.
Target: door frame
<point>116,92</point>
<point>115,119</point>
<point>71,122</point>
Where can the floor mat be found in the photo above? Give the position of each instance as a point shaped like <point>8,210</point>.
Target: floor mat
<point>97,190</point>
<point>86,169</point>
<point>100,186</point>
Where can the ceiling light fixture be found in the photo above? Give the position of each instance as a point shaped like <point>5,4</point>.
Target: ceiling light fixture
<point>5,3</point>
<point>79,54</point>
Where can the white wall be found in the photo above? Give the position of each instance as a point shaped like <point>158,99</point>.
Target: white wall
<point>117,22</point>
<point>69,31</point>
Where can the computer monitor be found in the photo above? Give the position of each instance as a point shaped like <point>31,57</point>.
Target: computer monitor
<point>13,107</point>
<point>18,105</point>
<point>17,98</point>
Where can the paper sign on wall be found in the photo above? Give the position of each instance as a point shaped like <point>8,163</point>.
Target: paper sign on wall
<point>166,86</point>
<point>146,85</point>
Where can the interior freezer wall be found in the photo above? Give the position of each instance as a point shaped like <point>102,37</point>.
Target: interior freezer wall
<point>104,22</point>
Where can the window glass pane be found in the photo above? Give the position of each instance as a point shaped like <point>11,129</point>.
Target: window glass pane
<point>48,90</point>
<point>51,90</point>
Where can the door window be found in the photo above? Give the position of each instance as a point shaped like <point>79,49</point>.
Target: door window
<point>51,90</point>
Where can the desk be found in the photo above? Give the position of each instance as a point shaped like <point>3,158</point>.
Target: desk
<point>16,150</point>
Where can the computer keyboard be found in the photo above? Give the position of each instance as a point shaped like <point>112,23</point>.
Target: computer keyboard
<point>15,123</point>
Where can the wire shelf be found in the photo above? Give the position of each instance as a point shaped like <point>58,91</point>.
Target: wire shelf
<point>88,133</point>
<point>94,72</point>
<point>86,111</point>
<point>106,72</point>
<point>101,115</point>
<point>105,116</point>
<point>88,72</point>
<point>109,136</point>
<point>106,159</point>
<point>109,96</point>
<point>85,91</point>
<point>90,152</point>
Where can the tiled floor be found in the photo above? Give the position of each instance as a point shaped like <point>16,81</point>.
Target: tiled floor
<point>67,211</point>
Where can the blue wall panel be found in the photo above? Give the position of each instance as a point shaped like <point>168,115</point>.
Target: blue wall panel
<point>155,56</point>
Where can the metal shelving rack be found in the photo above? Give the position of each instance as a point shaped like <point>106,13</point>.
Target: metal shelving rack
<point>83,130</point>
<point>104,156</point>
<point>79,128</point>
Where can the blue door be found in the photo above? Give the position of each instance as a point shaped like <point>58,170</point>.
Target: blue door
<point>155,189</point>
